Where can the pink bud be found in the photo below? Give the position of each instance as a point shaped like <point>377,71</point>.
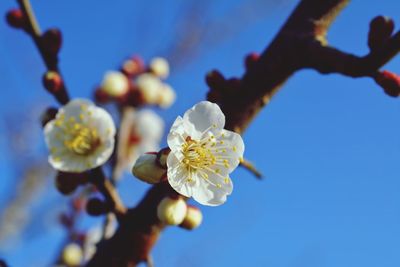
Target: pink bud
<point>251,59</point>
<point>52,81</point>
<point>52,39</point>
<point>389,81</point>
<point>16,18</point>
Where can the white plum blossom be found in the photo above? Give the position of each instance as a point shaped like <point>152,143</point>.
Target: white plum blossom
<point>115,83</point>
<point>81,137</point>
<point>203,154</point>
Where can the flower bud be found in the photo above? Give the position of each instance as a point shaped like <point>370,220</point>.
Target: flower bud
<point>133,66</point>
<point>193,218</point>
<point>215,80</point>
<point>52,81</point>
<point>67,183</point>
<point>380,30</point>
<point>72,255</point>
<point>148,169</point>
<point>149,86</point>
<point>115,84</point>
<point>96,207</point>
<point>172,211</point>
<point>167,96</point>
<point>52,39</point>
<point>389,81</point>
<point>160,67</point>
<point>250,60</point>
<point>162,156</point>
<point>16,18</point>
<point>100,96</point>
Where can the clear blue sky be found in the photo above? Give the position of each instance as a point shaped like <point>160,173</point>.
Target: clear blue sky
<point>328,145</point>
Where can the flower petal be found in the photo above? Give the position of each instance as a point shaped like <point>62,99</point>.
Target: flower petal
<point>205,115</point>
<point>230,148</point>
<point>209,194</point>
<point>178,175</point>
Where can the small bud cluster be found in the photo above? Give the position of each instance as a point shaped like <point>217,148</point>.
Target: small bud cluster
<point>175,211</point>
<point>136,84</point>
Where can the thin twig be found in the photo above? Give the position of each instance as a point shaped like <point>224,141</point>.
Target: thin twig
<point>251,168</point>
<point>109,192</point>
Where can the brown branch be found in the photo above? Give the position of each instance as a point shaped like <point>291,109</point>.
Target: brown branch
<point>109,192</point>
<point>50,58</point>
<point>136,235</point>
<point>300,44</point>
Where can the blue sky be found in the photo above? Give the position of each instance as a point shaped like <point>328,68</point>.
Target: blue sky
<point>328,145</point>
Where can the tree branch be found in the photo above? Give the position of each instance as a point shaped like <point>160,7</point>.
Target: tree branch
<point>50,58</point>
<point>300,44</point>
<point>98,178</point>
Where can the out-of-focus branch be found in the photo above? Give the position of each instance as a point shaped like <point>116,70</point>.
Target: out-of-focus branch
<point>301,43</point>
<point>48,45</point>
<point>109,192</point>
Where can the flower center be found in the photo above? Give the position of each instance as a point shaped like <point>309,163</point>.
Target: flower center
<point>196,155</point>
<point>83,140</point>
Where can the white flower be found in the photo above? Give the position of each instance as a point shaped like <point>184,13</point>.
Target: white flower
<point>167,96</point>
<point>171,211</point>
<point>81,137</point>
<point>149,86</point>
<point>160,67</point>
<point>203,154</point>
<point>115,83</point>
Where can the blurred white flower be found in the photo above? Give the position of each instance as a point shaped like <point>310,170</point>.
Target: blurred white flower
<point>115,83</point>
<point>167,96</point>
<point>72,255</point>
<point>147,169</point>
<point>160,67</point>
<point>149,86</point>
<point>203,154</point>
<point>147,129</point>
<point>171,211</point>
<point>81,137</point>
